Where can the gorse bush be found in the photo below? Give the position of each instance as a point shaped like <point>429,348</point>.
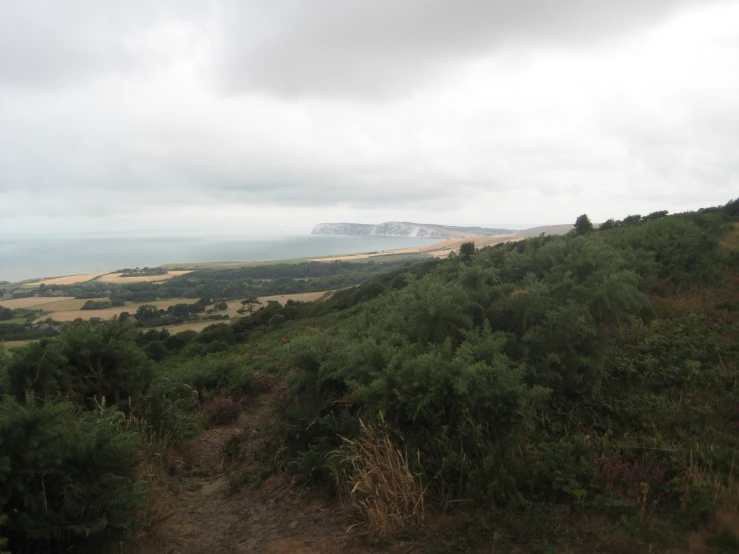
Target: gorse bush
<point>483,365</point>
<point>65,478</point>
<point>461,359</point>
<point>87,363</point>
<point>214,375</point>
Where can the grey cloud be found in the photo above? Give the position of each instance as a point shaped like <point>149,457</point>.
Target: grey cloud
<point>362,48</point>
<point>557,131</point>
<point>46,44</point>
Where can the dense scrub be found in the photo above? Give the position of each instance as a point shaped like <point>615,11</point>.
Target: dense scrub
<point>77,414</point>
<point>550,370</point>
<point>594,373</point>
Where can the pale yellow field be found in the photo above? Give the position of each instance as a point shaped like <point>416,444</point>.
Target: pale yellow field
<point>68,309</point>
<point>68,304</point>
<point>16,303</point>
<point>194,326</point>
<point>299,297</point>
<point>108,313</point>
<point>116,277</point>
<point>234,305</point>
<point>67,280</point>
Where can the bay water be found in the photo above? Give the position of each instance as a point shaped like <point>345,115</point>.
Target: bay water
<point>34,258</point>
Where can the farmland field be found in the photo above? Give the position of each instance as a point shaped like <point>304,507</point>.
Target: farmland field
<point>69,309</point>
<point>66,280</point>
<point>107,313</point>
<point>234,305</point>
<point>232,265</point>
<point>196,326</point>
<point>16,303</point>
<point>116,278</point>
<point>15,343</point>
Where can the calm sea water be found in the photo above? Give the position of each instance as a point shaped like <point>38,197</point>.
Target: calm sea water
<point>33,258</point>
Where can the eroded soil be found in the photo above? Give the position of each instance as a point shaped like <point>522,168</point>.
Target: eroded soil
<point>204,511</point>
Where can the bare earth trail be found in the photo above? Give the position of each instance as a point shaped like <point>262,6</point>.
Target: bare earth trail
<point>203,515</point>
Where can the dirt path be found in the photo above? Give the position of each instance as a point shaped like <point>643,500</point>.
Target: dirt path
<point>206,516</point>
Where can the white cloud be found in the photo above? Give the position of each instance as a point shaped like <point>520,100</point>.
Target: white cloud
<point>527,130</point>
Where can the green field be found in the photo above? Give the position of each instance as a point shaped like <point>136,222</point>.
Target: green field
<point>9,345</point>
<point>231,265</point>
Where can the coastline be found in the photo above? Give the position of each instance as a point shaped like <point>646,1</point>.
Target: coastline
<point>32,261</point>
<point>438,249</point>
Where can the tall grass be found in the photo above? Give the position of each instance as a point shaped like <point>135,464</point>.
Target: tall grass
<point>377,483</point>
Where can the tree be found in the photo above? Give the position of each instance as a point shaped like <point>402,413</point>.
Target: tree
<point>147,311</point>
<point>466,251</point>
<point>276,320</point>
<point>656,215</point>
<point>180,310</point>
<point>222,306</point>
<point>250,304</point>
<point>632,220</point>
<point>607,224</point>
<point>583,225</point>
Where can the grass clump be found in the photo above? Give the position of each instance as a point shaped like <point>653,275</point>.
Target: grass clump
<point>376,481</point>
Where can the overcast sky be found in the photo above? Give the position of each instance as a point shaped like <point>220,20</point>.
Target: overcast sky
<point>224,117</point>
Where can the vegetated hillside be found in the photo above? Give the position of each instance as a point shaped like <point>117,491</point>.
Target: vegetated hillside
<point>545,229</point>
<point>575,393</point>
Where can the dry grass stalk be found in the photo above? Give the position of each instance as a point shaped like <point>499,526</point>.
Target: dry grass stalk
<point>379,485</point>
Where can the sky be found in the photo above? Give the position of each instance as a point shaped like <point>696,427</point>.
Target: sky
<point>224,117</point>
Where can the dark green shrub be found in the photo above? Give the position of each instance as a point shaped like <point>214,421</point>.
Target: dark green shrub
<point>39,369</point>
<point>177,341</point>
<point>65,479</point>
<point>168,409</point>
<point>215,375</point>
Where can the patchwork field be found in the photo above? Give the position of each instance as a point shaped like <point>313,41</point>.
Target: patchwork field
<point>108,313</point>
<point>116,277</point>
<point>234,305</point>
<point>69,309</point>
<point>38,303</point>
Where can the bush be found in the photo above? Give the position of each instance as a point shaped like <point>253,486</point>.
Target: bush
<point>222,409</point>
<point>64,479</point>
<point>215,375</point>
<point>86,363</point>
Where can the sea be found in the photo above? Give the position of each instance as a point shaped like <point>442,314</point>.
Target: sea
<point>35,258</point>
